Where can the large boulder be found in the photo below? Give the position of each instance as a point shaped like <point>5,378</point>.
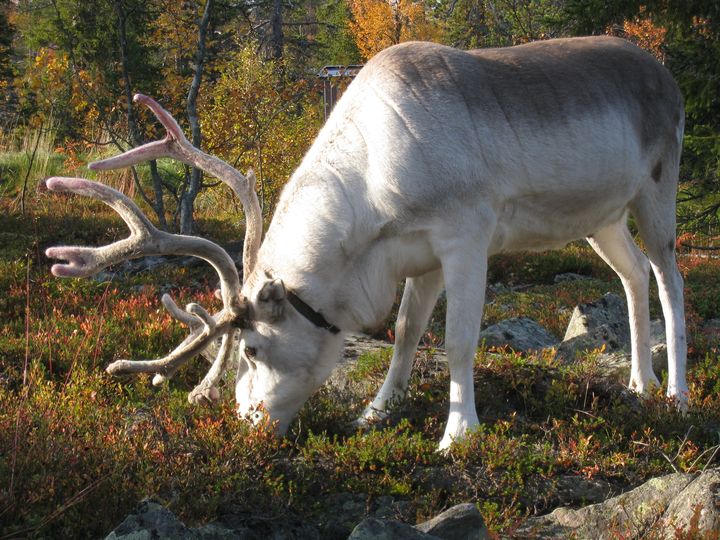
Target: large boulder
<point>603,326</point>
<point>387,529</point>
<point>151,521</point>
<point>626,516</point>
<point>697,506</point>
<point>673,506</point>
<point>519,333</point>
<point>461,522</point>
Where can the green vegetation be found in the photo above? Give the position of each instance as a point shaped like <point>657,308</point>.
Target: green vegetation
<point>75,442</point>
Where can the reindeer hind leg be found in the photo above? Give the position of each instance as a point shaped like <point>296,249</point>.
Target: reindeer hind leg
<point>616,247</point>
<point>654,211</point>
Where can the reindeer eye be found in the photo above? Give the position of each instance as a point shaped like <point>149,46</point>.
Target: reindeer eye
<point>250,352</point>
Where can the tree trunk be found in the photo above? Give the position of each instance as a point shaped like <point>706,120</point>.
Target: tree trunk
<point>276,25</point>
<point>187,201</point>
<point>135,138</point>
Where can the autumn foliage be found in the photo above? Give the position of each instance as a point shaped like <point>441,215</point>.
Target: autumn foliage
<point>378,24</point>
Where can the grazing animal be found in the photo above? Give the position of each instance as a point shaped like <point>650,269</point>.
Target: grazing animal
<point>434,159</point>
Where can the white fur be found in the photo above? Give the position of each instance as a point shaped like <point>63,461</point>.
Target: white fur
<point>422,177</point>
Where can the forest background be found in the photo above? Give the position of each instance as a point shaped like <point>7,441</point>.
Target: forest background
<point>79,450</point>
<point>242,77</point>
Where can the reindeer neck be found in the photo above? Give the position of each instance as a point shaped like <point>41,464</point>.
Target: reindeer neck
<point>320,244</point>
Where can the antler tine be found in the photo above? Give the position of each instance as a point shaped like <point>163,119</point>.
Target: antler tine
<point>175,145</point>
<point>177,313</point>
<point>190,347</point>
<point>192,322</point>
<point>144,239</point>
<point>207,391</point>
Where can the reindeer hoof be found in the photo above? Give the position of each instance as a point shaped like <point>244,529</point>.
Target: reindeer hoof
<point>370,417</point>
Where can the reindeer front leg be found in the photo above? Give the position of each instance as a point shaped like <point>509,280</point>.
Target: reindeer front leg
<point>464,265</point>
<point>418,300</point>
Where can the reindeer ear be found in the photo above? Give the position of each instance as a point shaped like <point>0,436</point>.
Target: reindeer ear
<point>271,298</point>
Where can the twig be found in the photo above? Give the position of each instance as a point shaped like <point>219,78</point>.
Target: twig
<point>30,165</point>
<point>701,248</point>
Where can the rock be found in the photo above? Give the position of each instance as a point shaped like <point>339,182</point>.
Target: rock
<point>461,522</point>
<point>570,276</point>
<point>151,521</point>
<point>571,489</point>
<point>520,333</point>
<point>356,345</point>
<point>596,325</point>
<point>628,515</point>
<point>603,325</point>
<point>343,511</point>
<point>387,529</point>
<point>216,531</point>
<point>699,502</point>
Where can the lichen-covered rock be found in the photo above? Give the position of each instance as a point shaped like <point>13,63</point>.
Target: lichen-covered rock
<point>151,521</point>
<point>387,529</point>
<point>519,333</point>
<point>628,515</point>
<point>461,522</point>
<point>696,509</point>
<point>602,324</point>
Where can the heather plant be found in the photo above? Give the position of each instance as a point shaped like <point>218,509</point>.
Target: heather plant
<point>75,443</point>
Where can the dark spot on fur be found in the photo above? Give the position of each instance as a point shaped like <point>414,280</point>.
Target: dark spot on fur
<point>657,171</point>
<point>671,246</point>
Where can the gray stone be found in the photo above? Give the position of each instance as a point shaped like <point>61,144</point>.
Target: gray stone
<point>608,310</point>
<point>151,521</point>
<point>520,333</point>
<point>628,515</point>
<point>603,326</point>
<point>216,531</point>
<point>461,522</point>
<point>387,529</point>
<point>571,489</point>
<point>698,502</point>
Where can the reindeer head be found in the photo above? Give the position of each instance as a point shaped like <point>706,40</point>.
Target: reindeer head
<point>285,354</point>
<point>282,354</point>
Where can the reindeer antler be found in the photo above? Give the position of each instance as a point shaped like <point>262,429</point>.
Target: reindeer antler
<point>146,239</point>
<point>176,145</point>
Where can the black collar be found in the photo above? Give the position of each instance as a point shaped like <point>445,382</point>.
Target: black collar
<point>309,313</point>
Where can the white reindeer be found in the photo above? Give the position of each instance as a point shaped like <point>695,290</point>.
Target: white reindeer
<point>433,159</point>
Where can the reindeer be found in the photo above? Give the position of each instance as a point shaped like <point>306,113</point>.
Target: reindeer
<point>433,159</point>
